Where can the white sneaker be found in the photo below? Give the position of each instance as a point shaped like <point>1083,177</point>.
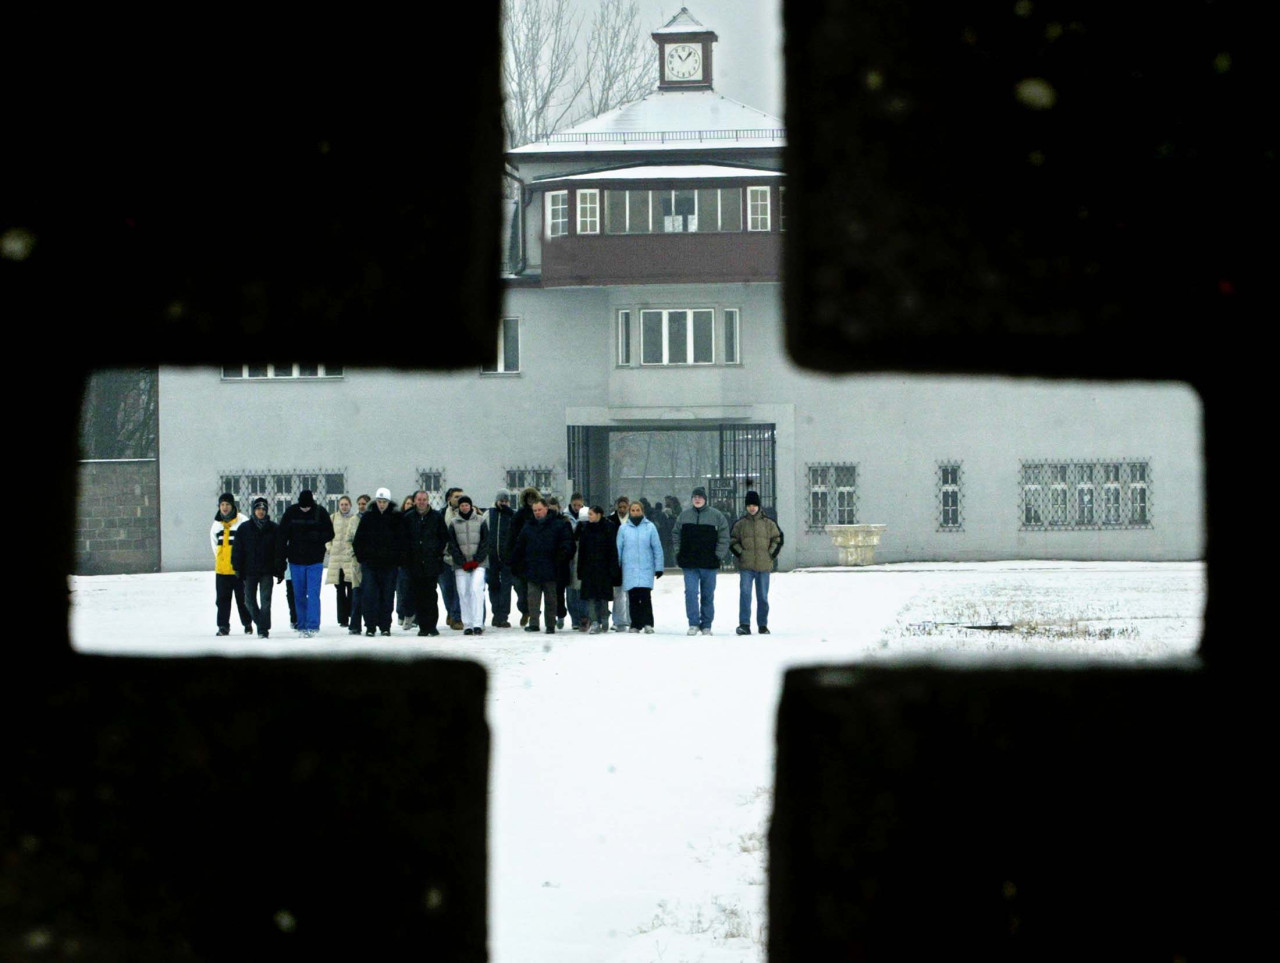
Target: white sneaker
<point>706,631</point>
<point>693,630</point>
<point>634,630</point>
<point>648,630</point>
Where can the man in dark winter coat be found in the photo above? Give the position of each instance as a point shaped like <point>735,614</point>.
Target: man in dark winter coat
<point>253,555</point>
<point>598,567</point>
<point>563,576</point>
<point>427,537</point>
<point>522,516</point>
<point>379,546</point>
<point>498,574</point>
<point>701,541</point>
<point>541,548</point>
<point>305,530</point>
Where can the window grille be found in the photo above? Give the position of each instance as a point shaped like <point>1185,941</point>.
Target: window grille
<point>280,372</point>
<point>833,495</point>
<point>281,487</point>
<point>521,478</point>
<point>1074,495</point>
<point>950,516</point>
<point>431,481</point>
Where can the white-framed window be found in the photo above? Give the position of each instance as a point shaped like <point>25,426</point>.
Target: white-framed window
<point>833,495</point>
<point>757,208</point>
<point>731,336</point>
<point>677,336</point>
<point>1067,495</point>
<point>699,210</point>
<point>949,519</point>
<point>589,211</point>
<point>508,357</point>
<point>624,337</point>
<point>280,372</point>
<point>431,481</point>
<point>281,487</point>
<point>557,213</point>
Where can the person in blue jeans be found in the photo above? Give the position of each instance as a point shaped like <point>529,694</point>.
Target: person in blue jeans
<point>755,542</point>
<point>303,533</point>
<point>701,542</point>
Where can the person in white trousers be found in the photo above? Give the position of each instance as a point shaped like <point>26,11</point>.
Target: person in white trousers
<point>469,548</point>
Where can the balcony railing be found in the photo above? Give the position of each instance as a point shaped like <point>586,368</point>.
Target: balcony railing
<point>663,136</point>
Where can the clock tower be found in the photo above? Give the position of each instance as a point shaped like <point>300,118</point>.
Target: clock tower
<point>684,53</point>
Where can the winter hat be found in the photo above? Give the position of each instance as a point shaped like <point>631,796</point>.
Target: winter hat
<point>259,503</point>
<point>699,491</point>
<point>464,498</point>
<point>753,498</point>
<point>584,514</point>
<point>305,498</point>
<point>383,493</point>
<point>228,497</point>
<point>502,496</point>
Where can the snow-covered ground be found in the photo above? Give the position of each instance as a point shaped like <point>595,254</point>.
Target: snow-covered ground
<point>632,774</point>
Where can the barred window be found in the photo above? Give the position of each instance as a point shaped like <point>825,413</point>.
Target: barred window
<point>281,487</point>
<point>1068,495</point>
<point>949,515</point>
<point>833,495</point>
<point>519,478</point>
<point>431,481</point>
<point>280,372</point>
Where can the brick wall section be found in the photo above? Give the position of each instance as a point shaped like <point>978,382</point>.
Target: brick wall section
<point>118,518</point>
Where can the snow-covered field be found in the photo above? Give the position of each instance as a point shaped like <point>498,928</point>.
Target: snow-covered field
<point>632,774</point>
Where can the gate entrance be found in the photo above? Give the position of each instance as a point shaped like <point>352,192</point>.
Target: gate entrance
<point>653,462</point>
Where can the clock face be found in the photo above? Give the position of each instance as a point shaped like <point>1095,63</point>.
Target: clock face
<point>684,62</point>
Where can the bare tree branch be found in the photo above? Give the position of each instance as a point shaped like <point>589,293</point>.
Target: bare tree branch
<point>625,64</point>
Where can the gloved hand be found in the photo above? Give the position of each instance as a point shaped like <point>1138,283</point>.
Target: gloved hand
<point>657,575</point>
<point>470,566</point>
<point>279,579</point>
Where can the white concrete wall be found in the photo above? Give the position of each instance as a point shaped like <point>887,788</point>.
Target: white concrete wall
<point>381,427</point>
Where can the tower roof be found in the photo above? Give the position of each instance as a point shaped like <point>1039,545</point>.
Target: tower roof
<point>667,120</point>
<point>682,22</point>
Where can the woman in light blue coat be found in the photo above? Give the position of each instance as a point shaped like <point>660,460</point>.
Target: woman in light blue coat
<point>640,555</point>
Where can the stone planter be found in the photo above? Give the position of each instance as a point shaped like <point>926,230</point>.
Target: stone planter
<point>857,543</point>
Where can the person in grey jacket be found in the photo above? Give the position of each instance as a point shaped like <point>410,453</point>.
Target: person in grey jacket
<point>701,542</point>
<point>468,550</point>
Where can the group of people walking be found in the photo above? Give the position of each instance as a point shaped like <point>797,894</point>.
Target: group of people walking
<point>575,564</point>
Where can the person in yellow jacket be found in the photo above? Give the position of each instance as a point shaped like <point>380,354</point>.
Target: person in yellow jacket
<point>222,536</point>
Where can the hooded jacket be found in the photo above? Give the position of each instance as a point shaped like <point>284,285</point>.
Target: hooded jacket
<point>380,541</point>
<point>639,553</point>
<point>303,535</point>
<point>755,541</point>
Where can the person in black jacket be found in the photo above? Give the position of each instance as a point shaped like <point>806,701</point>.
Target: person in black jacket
<point>497,573</point>
<point>379,546</point>
<point>522,516</point>
<point>598,567</point>
<point>556,514</point>
<point>305,530</point>
<point>701,541</point>
<point>253,555</point>
<point>427,538</point>
<point>541,548</point>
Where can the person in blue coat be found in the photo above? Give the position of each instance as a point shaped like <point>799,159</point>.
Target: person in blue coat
<point>640,556</point>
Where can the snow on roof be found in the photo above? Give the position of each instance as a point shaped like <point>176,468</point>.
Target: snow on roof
<point>664,172</point>
<point>682,22</point>
<point>668,120</point>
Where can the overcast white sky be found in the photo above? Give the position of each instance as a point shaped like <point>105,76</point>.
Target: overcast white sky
<point>748,55</point>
